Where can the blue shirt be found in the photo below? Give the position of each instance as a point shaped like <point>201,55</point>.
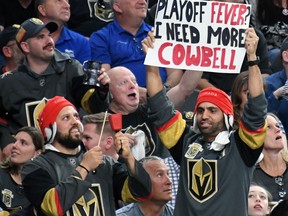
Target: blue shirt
<point>115,46</point>
<point>279,107</point>
<point>74,44</point>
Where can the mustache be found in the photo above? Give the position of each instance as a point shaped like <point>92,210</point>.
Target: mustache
<point>48,45</point>
<point>74,127</point>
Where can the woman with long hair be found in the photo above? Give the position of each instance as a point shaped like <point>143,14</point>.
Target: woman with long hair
<point>271,171</point>
<point>28,144</point>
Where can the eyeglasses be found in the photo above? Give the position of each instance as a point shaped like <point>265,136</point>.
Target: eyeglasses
<point>280,183</point>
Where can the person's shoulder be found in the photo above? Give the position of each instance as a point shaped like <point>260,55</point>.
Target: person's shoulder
<point>75,35</point>
<point>168,211</point>
<point>275,76</point>
<point>103,31</point>
<point>109,160</point>
<point>7,75</point>
<point>146,27</point>
<point>60,56</point>
<point>127,210</point>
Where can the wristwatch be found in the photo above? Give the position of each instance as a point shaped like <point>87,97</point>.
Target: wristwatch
<point>255,62</point>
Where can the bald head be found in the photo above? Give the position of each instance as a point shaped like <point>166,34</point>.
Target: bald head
<point>124,90</point>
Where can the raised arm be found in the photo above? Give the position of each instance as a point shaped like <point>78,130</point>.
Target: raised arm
<point>138,184</point>
<point>179,93</point>
<point>252,130</point>
<point>255,82</point>
<point>121,142</point>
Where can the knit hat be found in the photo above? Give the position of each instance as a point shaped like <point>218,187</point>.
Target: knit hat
<point>218,98</point>
<point>47,118</point>
<point>32,27</point>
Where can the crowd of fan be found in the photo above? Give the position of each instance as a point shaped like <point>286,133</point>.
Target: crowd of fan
<point>60,154</point>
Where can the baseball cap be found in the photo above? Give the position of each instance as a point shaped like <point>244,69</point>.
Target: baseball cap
<point>284,45</point>
<point>8,34</point>
<point>32,27</point>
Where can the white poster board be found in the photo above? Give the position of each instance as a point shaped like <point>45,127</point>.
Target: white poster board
<point>199,35</point>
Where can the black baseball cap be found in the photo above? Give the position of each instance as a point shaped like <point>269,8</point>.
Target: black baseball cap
<point>284,45</point>
<point>32,27</point>
<point>8,34</point>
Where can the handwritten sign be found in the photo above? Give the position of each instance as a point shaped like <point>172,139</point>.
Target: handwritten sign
<point>199,35</point>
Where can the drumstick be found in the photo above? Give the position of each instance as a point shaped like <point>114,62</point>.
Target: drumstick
<point>102,128</point>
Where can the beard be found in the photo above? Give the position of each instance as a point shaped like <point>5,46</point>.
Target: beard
<point>68,141</point>
<point>214,130</point>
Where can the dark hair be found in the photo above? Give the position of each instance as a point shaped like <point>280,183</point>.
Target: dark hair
<point>269,195</point>
<point>240,82</point>
<point>38,141</point>
<point>35,134</point>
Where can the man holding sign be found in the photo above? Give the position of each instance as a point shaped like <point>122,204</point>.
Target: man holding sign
<point>216,162</point>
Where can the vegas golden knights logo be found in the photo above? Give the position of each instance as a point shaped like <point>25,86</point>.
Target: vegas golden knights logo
<point>150,145</point>
<point>91,204</point>
<point>202,179</point>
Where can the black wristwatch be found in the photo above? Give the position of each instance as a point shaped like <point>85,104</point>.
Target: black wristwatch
<point>255,62</point>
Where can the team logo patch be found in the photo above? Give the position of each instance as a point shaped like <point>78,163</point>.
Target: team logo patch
<point>36,21</point>
<point>202,179</point>
<point>72,161</point>
<point>150,145</point>
<point>90,204</point>
<point>193,150</point>
<point>101,9</point>
<point>7,197</point>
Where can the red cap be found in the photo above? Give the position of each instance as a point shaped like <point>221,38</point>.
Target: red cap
<point>217,97</point>
<point>49,114</point>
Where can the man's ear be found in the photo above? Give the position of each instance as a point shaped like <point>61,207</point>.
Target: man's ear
<point>25,47</point>
<point>41,10</point>
<point>117,8</point>
<point>7,52</point>
<point>285,56</point>
<point>109,142</point>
